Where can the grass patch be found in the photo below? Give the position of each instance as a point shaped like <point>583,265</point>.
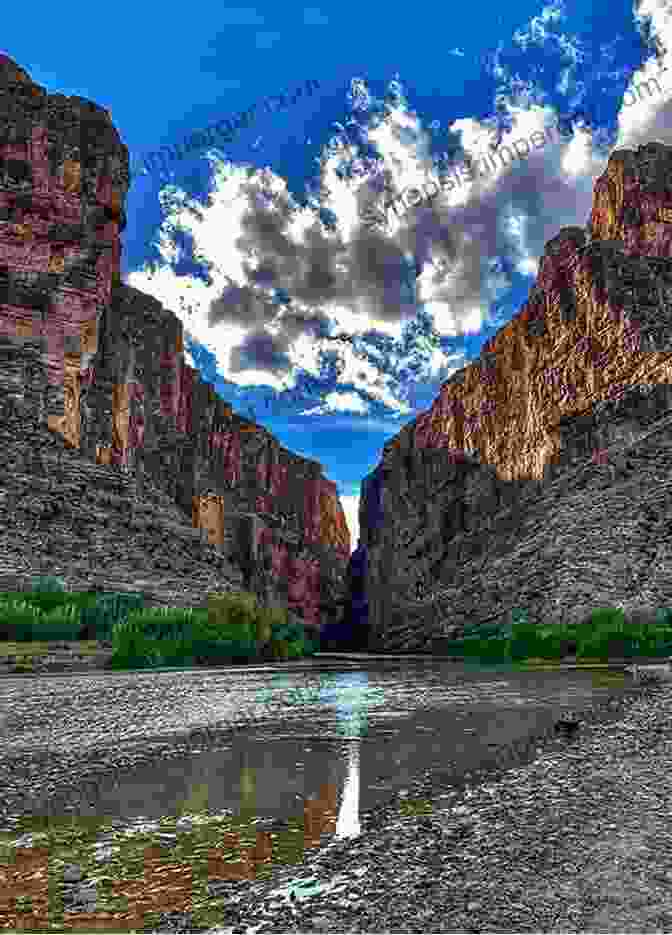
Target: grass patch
<point>412,808</point>
<point>42,648</point>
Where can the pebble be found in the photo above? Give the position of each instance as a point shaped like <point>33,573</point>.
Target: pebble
<point>72,873</point>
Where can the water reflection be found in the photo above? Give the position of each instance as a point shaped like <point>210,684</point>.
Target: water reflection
<point>348,825</point>
<point>324,747</point>
<point>351,703</point>
<point>364,731</point>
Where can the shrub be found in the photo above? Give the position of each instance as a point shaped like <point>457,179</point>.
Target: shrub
<point>98,620</point>
<point>225,632</point>
<point>664,616</point>
<point>45,600</point>
<point>130,649</point>
<point>47,592</point>
<point>164,636</point>
<point>264,626</point>
<point>270,621</point>
<point>607,618</point>
<point>488,630</point>
<point>591,647</point>
<point>47,583</point>
<point>486,649</point>
<point>310,647</point>
<point>221,652</point>
<point>279,649</point>
<point>18,618</point>
<point>62,623</point>
<point>519,648</point>
<point>24,622</point>
<point>295,649</point>
<point>283,627</point>
<point>166,622</point>
<point>453,646</point>
<point>234,615</point>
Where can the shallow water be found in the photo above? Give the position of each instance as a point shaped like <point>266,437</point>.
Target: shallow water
<point>340,735</point>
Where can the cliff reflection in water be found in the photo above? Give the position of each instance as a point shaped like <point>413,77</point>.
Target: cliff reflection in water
<point>310,751</point>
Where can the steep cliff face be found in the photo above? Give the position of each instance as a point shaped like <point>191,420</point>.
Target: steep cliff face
<point>108,377</point>
<point>495,498</point>
<point>349,629</point>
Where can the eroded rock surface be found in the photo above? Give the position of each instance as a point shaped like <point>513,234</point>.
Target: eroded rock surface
<point>538,479</point>
<point>122,466</point>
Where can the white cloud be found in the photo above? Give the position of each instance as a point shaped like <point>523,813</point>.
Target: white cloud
<point>261,248</point>
<point>339,402</point>
<point>646,113</point>
<point>351,510</point>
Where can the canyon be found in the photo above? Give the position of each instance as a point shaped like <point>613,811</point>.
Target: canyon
<point>121,470</point>
<point>536,483</point>
<point>539,481</point>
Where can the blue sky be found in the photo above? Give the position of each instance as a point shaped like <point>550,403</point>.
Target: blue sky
<point>334,335</point>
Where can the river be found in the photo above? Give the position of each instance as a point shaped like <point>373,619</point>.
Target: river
<point>268,739</point>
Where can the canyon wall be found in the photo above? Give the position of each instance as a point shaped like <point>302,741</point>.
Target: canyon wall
<point>104,424</point>
<point>538,479</point>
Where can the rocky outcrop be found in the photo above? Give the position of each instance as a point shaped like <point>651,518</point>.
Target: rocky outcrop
<point>538,480</point>
<point>138,470</point>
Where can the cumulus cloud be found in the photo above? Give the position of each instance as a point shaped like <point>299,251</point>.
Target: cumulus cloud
<point>293,290</point>
<point>646,114</point>
<point>339,402</point>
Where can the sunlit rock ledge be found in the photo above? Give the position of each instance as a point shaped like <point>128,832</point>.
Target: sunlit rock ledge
<point>536,480</point>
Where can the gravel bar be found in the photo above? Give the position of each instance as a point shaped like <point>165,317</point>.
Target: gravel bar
<point>559,833</point>
<point>573,837</point>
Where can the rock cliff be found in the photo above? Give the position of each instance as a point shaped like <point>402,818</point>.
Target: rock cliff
<point>539,479</point>
<point>120,467</point>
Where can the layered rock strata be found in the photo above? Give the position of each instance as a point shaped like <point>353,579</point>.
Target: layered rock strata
<point>538,479</point>
<point>157,480</point>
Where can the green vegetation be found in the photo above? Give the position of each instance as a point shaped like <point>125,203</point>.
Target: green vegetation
<point>233,629</point>
<point>236,629</point>
<point>48,584</point>
<point>70,839</point>
<point>605,635</point>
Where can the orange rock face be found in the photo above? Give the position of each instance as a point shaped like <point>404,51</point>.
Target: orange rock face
<point>333,527</point>
<point>208,515</point>
<point>510,411</point>
<point>595,333</point>
<point>578,340</point>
